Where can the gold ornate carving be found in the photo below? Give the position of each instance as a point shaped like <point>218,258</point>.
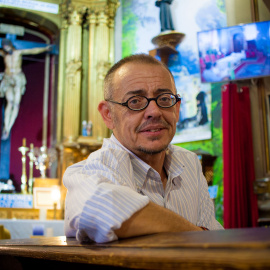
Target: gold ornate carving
<point>92,18</point>
<point>72,13</point>
<point>112,8</point>
<point>101,8</point>
<point>101,56</point>
<point>102,68</point>
<point>102,18</point>
<point>73,67</point>
<point>19,213</point>
<point>99,16</point>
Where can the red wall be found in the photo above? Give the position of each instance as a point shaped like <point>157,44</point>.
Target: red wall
<point>29,120</point>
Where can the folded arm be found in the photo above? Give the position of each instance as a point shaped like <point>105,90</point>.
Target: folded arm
<point>154,219</point>
<point>101,206</point>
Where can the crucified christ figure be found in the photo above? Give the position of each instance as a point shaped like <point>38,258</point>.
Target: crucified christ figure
<point>13,82</point>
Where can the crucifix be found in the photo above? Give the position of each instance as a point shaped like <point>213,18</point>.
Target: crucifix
<point>13,81</point>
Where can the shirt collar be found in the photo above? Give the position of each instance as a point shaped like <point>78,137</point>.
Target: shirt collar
<point>139,166</point>
<point>172,163</point>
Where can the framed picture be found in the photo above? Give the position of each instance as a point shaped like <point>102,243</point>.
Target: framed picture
<point>267,133</point>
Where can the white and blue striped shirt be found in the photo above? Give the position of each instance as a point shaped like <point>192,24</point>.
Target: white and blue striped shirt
<point>112,184</point>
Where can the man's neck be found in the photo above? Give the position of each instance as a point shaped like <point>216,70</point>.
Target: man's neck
<point>156,161</point>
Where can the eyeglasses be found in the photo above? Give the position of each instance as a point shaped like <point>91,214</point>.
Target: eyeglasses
<point>138,103</point>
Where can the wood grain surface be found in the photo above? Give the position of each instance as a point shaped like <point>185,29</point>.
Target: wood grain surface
<point>228,249</point>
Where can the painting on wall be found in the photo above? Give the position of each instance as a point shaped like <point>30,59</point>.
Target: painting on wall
<point>141,23</point>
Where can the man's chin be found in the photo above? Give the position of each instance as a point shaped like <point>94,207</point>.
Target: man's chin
<point>152,150</point>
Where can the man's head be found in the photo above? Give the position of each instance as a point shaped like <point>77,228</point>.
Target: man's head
<point>146,131</point>
<point>7,46</point>
<point>136,59</point>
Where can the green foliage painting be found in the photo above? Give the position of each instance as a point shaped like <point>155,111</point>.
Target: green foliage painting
<point>213,147</point>
<point>129,23</point>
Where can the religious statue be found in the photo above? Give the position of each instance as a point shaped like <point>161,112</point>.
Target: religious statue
<point>13,81</point>
<point>166,22</point>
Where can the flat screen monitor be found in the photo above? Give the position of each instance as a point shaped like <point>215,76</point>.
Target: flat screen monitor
<point>234,53</point>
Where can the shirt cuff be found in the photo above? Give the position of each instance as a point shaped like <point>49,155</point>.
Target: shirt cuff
<point>106,210</point>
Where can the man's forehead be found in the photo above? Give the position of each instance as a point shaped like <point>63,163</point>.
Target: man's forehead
<point>133,78</point>
<point>134,69</point>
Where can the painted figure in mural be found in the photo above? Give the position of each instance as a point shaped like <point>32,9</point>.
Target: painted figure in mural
<point>13,81</point>
<point>202,117</point>
<point>138,183</point>
<point>166,22</point>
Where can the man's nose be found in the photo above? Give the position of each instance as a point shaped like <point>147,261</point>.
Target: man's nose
<point>152,110</point>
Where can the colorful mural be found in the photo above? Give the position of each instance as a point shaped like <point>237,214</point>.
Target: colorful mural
<point>140,23</point>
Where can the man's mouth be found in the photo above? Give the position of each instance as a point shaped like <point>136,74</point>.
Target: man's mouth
<point>152,130</point>
<point>153,126</point>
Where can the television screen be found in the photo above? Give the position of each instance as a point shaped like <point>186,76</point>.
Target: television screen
<point>234,53</point>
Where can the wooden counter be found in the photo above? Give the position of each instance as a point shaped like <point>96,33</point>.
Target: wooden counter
<point>229,249</point>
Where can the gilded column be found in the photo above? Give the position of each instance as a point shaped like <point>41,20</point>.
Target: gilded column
<point>113,5</point>
<point>92,72</point>
<point>85,63</point>
<point>101,57</point>
<point>73,75</point>
<point>61,75</point>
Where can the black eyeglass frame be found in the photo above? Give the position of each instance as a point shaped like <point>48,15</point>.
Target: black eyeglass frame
<point>177,99</point>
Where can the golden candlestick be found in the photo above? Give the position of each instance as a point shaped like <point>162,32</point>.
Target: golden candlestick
<point>23,149</point>
<point>31,166</point>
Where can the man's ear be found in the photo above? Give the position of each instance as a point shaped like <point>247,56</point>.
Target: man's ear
<point>104,110</point>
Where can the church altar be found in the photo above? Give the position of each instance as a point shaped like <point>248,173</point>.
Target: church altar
<point>26,228</point>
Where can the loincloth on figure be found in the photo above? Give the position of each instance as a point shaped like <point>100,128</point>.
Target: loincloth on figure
<point>11,81</point>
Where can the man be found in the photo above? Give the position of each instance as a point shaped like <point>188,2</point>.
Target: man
<point>13,81</point>
<point>137,183</point>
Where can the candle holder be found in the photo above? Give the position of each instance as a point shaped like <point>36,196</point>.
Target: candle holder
<point>55,195</point>
<point>44,158</point>
<point>31,166</point>
<point>23,149</point>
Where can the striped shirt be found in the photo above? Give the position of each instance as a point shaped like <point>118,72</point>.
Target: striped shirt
<point>112,184</point>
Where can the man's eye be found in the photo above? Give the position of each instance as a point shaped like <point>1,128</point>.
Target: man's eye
<point>165,99</point>
<point>135,101</point>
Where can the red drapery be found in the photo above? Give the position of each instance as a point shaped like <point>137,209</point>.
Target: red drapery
<point>240,203</point>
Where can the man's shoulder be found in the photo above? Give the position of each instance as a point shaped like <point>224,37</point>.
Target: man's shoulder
<point>109,155</point>
<point>180,150</point>
<point>108,152</point>
<point>181,155</point>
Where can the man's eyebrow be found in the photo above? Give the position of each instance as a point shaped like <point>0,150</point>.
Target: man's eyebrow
<point>143,92</point>
<point>136,92</point>
<point>161,90</point>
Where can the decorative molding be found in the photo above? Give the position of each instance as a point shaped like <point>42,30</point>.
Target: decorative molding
<point>72,13</point>
<point>107,8</point>
<point>73,67</point>
<point>102,69</point>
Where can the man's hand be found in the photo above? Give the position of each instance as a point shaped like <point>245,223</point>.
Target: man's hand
<point>154,219</point>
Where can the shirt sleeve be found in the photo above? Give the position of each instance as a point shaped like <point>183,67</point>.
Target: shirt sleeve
<point>207,217</point>
<point>98,199</point>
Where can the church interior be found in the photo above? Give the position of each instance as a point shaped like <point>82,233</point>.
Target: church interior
<point>66,47</point>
